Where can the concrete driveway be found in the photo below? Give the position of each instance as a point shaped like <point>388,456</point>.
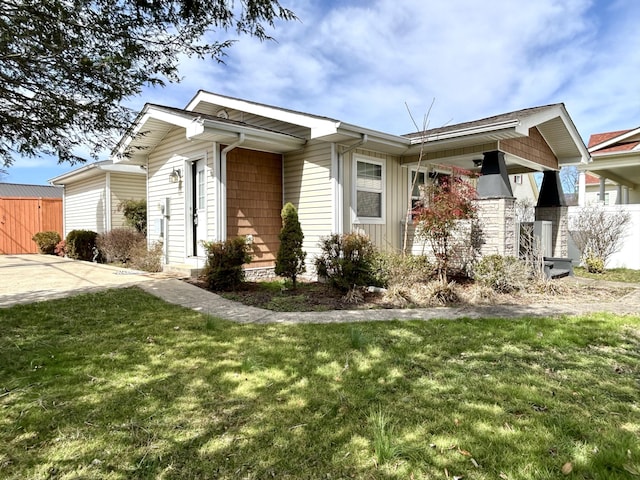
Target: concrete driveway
<point>32,278</point>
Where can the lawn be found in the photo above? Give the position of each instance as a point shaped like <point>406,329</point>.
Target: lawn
<point>120,385</point>
<point>612,274</point>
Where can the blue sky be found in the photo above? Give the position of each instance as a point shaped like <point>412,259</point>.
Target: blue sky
<point>362,62</point>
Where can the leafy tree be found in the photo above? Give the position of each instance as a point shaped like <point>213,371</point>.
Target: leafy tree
<point>65,65</point>
<point>135,214</point>
<point>290,259</point>
<point>446,200</point>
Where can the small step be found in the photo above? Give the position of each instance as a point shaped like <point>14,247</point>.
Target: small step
<point>556,267</point>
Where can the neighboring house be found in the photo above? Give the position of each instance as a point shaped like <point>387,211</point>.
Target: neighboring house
<point>591,191</point>
<point>92,194</point>
<point>24,211</point>
<point>616,165</point>
<point>613,179</point>
<point>223,167</point>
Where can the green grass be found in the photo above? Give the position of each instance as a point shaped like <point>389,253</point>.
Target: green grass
<point>121,385</point>
<point>613,275</point>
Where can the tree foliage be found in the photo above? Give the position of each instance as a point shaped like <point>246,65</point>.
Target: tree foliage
<point>290,258</point>
<point>446,200</point>
<point>598,232</point>
<point>65,65</point>
<point>135,214</point>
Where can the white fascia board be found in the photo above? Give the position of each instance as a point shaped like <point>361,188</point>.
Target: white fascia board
<point>374,135</point>
<point>509,124</point>
<point>287,116</point>
<point>124,168</point>
<point>149,112</point>
<point>615,140</point>
<point>550,113</point>
<point>616,159</point>
<point>80,172</point>
<point>208,129</point>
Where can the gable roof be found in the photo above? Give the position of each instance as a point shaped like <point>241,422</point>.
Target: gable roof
<point>95,168</point>
<point>29,191</point>
<point>206,117</point>
<point>552,121</point>
<point>611,142</point>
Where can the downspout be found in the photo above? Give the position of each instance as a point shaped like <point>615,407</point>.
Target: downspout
<point>339,208</point>
<point>107,195</point>
<point>221,209</point>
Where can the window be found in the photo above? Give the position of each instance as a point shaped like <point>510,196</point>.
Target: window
<point>415,194</point>
<point>517,179</point>
<point>369,190</point>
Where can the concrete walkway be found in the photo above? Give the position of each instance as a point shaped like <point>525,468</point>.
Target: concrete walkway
<point>182,293</point>
<point>32,278</point>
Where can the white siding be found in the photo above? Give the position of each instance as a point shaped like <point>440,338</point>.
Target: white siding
<point>125,187</point>
<point>85,205</point>
<point>175,151</point>
<point>307,184</point>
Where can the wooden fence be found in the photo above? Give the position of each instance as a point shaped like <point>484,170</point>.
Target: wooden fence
<point>21,218</point>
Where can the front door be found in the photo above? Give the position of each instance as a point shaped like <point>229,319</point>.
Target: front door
<point>199,202</point>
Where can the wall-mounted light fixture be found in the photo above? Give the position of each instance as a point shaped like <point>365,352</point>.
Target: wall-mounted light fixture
<point>175,176</point>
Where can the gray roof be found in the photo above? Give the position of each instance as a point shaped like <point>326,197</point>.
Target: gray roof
<point>29,191</point>
<point>504,117</point>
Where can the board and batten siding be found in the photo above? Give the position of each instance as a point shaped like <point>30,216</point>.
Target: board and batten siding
<point>386,236</point>
<point>125,187</point>
<point>175,151</point>
<point>307,185</point>
<point>85,205</point>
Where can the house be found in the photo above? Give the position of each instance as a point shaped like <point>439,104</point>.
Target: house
<point>613,180</point>
<point>24,211</point>
<point>616,165</point>
<point>93,192</point>
<point>223,167</point>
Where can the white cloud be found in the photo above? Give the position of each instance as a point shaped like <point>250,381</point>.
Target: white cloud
<point>360,61</point>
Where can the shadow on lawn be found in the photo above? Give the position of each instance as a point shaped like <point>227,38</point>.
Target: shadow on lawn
<point>133,387</point>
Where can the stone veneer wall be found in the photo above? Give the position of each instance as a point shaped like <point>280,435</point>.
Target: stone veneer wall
<point>498,222</point>
<point>558,216</point>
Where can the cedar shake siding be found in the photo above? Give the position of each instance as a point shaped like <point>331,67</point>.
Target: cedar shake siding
<point>534,148</point>
<point>254,201</point>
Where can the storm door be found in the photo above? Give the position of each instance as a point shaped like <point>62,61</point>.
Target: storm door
<point>199,202</point>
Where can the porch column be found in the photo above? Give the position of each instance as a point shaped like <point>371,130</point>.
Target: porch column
<point>625,195</point>
<point>601,194</point>
<point>582,189</point>
<point>619,194</point>
<point>552,207</point>
<point>494,180</point>
<point>496,211</point>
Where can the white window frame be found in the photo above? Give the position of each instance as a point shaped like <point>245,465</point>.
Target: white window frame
<point>410,181</point>
<point>354,210</point>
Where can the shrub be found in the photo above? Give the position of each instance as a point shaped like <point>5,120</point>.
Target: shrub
<point>81,245</point>
<point>47,241</point>
<point>117,245</point>
<point>346,261</point>
<point>396,269</point>
<point>147,259</point>
<point>502,274</point>
<point>223,270</point>
<point>135,214</point>
<point>290,259</point>
<point>594,264</point>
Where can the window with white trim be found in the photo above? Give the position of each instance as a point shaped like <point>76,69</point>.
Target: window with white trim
<point>368,190</point>
<point>415,194</point>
